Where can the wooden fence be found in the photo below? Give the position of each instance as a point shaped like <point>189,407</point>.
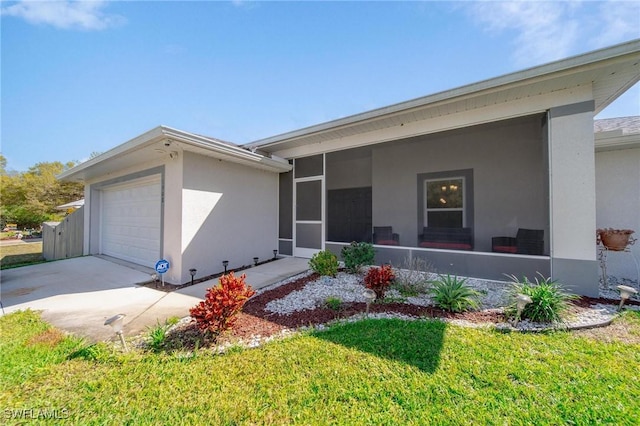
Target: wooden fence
<point>61,240</point>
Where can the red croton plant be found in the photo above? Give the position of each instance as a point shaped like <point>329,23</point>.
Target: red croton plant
<point>217,313</point>
<point>379,279</point>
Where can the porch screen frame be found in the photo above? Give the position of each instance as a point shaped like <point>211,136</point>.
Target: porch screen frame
<point>314,171</point>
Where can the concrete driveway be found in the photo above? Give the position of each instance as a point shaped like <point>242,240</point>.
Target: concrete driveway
<point>78,295</point>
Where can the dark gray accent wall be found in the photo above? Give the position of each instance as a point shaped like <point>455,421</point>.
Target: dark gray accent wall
<point>350,168</point>
<point>309,200</point>
<point>309,166</point>
<point>309,235</point>
<point>578,276</point>
<point>467,264</point>
<point>285,247</point>
<point>487,266</point>
<point>571,109</point>
<point>285,206</point>
<point>509,178</point>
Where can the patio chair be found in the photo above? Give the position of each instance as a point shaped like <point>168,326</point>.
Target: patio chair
<point>385,236</point>
<point>526,241</point>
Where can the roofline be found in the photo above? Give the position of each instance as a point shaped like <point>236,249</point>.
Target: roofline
<point>165,132</point>
<point>514,78</point>
<point>225,148</point>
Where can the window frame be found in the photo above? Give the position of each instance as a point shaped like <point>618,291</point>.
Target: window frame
<point>443,175</point>
<point>428,209</point>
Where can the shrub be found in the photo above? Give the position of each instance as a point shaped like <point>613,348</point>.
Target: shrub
<point>452,294</point>
<point>217,313</point>
<point>333,303</point>
<point>549,301</point>
<point>356,255</point>
<point>411,278</point>
<point>379,280</point>
<point>324,263</point>
<point>158,333</point>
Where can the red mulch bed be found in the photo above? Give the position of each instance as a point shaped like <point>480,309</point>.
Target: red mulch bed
<point>256,321</point>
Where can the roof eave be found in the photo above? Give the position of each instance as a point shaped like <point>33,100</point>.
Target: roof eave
<point>137,142</point>
<point>229,152</point>
<point>517,78</point>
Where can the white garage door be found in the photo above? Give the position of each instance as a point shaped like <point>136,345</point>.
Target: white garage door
<point>131,216</point>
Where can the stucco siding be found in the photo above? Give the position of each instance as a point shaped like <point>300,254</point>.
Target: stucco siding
<point>349,169</point>
<point>229,212</point>
<point>572,159</point>
<point>172,218</point>
<point>618,203</point>
<point>572,195</point>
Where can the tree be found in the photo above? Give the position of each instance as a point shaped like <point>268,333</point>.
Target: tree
<point>30,198</point>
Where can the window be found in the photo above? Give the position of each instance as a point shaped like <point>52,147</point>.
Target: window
<point>444,203</point>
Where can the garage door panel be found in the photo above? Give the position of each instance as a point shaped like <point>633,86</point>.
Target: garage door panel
<point>131,219</point>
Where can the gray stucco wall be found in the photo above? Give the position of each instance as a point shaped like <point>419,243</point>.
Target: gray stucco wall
<point>229,212</point>
<point>349,169</point>
<point>509,169</point>
<point>618,203</point>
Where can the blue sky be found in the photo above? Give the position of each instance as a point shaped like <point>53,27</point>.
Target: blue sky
<point>79,77</point>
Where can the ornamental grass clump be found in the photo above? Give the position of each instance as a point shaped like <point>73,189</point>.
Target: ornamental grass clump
<point>333,303</point>
<point>218,312</point>
<point>411,277</point>
<point>324,263</point>
<point>158,333</point>
<point>453,294</point>
<point>549,301</point>
<point>379,280</point>
<point>356,255</point>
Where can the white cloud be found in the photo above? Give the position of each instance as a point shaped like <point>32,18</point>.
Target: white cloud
<point>544,31</point>
<point>620,21</point>
<point>86,15</point>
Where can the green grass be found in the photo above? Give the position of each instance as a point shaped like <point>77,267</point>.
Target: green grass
<point>12,256</point>
<point>370,372</point>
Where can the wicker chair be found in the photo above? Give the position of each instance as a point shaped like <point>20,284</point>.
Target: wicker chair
<point>526,241</point>
<point>385,236</point>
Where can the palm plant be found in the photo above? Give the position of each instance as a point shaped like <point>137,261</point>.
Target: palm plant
<point>453,294</point>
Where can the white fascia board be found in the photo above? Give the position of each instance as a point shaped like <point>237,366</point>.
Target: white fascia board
<point>519,78</point>
<point>615,139</point>
<point>135,143</point>
<point>227,151</point>
<point>215,147</point>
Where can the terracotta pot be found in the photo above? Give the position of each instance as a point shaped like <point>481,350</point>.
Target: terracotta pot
<point>615,240</point>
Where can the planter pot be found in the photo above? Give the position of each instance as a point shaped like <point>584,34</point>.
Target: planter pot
<point>616,239</point>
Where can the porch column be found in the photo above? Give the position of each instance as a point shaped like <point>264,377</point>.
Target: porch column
<point>572,193</point>
<point>172,226</point>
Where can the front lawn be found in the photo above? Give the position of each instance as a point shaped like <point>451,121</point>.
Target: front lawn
<point>12,256</point>
<point>369,372</point>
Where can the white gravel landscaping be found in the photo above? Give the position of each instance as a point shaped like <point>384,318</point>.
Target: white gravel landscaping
<point>494,295</point>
